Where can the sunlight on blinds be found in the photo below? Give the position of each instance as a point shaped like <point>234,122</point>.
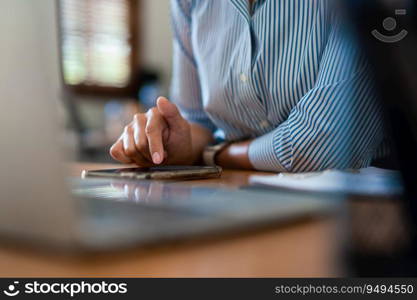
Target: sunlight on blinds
<point>95,42</point>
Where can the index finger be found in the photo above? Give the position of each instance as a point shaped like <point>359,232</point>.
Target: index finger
<point>154,126</point>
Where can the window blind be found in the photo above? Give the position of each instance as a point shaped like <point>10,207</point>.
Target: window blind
<point>96,49</point>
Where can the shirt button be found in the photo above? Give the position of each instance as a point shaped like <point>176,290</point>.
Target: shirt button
<point>243,77</point>
<point>264,124</point>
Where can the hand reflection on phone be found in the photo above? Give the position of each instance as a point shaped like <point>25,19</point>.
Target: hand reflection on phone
<point>151,192</point>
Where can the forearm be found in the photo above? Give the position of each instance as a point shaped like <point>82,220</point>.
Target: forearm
<point>235,156</point>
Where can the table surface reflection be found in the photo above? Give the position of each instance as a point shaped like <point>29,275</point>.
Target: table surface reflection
<point>300,249</point>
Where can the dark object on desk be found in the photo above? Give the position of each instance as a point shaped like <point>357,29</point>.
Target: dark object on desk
<point>158,173</point>
<point>388,34</point>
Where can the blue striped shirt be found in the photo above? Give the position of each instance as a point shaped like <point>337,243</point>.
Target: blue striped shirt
<point>285,73</point>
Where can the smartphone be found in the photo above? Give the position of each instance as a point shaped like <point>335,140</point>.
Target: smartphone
<point>158,173</point>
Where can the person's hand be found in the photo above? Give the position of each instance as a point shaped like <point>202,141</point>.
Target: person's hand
<point>160,136</point>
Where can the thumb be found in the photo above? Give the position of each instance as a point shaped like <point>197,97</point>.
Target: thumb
<point>169,111</point>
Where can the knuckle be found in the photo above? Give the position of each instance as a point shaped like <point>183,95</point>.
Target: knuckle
<point>152,111</point>
<point>150,128</point>
<point>127,129</point>
<point>113,152</point>
<point>113,148</point>
<point>116,155</point>
<point>138,117</point>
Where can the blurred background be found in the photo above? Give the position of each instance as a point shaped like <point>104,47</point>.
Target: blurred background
<point>115,60</point>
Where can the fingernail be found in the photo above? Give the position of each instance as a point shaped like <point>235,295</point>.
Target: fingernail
<point>156,158</point>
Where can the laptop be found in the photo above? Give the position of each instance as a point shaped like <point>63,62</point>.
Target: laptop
<point>41,205</point>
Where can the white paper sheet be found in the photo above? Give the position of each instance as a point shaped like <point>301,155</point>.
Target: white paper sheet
<point>368,181</point>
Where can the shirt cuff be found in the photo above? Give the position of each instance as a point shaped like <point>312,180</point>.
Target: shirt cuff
<point>262,153</point>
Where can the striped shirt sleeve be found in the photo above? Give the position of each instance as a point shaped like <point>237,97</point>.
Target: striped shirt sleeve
<point>336,124</point>
<point>185,84</point>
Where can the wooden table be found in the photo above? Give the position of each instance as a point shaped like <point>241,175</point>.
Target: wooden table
<point>302,249</point>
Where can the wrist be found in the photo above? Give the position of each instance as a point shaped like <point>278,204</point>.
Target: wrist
<point>235,156</point>
<point>210,153</point>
